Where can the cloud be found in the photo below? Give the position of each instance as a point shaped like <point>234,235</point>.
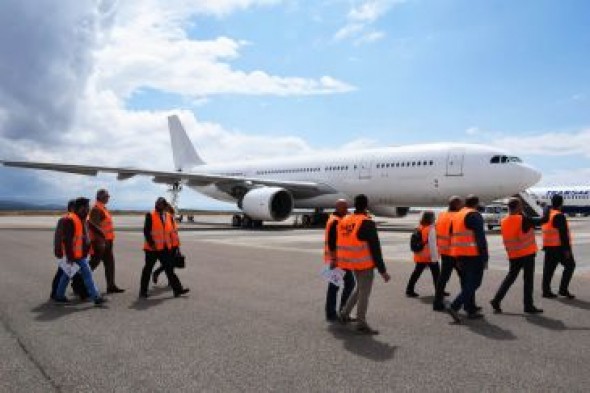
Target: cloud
<point>361,16</point>
<point>550,143</point>
<point>570,177</point>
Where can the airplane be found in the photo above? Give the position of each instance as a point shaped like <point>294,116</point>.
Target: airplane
<point>393,178</point>
<point>576,199</point>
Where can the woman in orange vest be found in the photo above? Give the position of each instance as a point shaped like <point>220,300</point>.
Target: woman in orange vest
<point>428,256</point>
<point>518,235</point>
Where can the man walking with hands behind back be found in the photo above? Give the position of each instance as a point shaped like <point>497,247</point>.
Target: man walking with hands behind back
<point>102,235</point>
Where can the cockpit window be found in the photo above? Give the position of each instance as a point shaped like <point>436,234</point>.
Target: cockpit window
<point>514,159</point>
<point>504,159</point>
<point>495,160</point>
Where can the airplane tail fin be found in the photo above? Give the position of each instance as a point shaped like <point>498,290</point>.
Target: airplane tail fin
<point>183,151</point>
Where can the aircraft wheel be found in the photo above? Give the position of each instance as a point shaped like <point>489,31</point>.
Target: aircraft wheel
<point>490,227</point>
<point>191,218</point>
<point>306,221</point>
<point>257,223</point>
<point>236,221</point>
<point>247,222</point>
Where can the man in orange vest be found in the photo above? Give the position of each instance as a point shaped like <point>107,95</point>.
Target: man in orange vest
<point>76,248</point>
<point>175,251</point>
<point>443,241</point>
<point>157,231</point>
<point>518,235</point>
<point>330,244</point>
<point>102,235</point>
<point>358,249</point>
<point>470,248</point>
<point>558,249</point>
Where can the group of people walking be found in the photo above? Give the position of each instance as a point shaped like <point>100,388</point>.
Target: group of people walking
<point>458,236</point>
<point>85,236</point>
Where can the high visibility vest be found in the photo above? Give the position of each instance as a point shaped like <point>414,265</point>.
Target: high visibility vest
<point>463,242</point>
<point>106,225</point>
<point>424,255</point>
<point>329,255</point>
<point>79,236</point>
<point>551,234</point>
<point>351,253</point>
<point>443,232</point>
<point>175,238</point>
<point>161,233</point>
<point>517,243</point>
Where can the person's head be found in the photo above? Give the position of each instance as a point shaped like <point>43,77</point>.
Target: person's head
<point>556,201</point>
<point>341,206</point>
<point>170,209</point>
<point>361,202</point>
<point>102,196</point>
<point>514,205</point>
<point>161,204</point>
<point>455,203</point>
<point>427,218</point>
<point>472,201</point>
<point>82,207</point>
<point>71,203</point>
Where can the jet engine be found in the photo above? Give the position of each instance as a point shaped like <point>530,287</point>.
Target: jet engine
<point>267,204</point>
<point>389,211</point>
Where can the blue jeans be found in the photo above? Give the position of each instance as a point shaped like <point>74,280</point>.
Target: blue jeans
<point>86,276</point>
<point>472,269</point>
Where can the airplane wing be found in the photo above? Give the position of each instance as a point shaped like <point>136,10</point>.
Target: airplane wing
<point>233,185</point>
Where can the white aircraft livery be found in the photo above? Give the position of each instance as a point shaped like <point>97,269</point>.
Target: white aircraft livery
<point>393,178</point>
<point>576,199</point>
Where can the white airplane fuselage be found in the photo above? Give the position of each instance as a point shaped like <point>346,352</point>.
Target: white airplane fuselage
<point>416,175</point>
<point>576,199</point>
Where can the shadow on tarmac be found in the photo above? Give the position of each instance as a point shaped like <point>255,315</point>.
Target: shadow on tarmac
<point>483,327</point>
<point>584,305</point>
<point>141,304</point>
<point>50,311</point>
<point>362,345</point>
<point>551,324</point>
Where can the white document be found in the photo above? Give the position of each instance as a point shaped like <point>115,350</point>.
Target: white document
<point>335,276</point>
<point>68,269</point>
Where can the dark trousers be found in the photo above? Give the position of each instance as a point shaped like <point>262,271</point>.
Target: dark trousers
<point>448,263</point>
<point>151,257</point>
<point>175,251</point>
<point>104,254</point>
<point>527,264</point>
<point>332,295</point>
<point>553,257</point>
<point>472,268</point>
<point>434,269</point>
<point>77,285</point>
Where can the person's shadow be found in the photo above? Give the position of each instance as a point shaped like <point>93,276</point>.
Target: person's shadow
<point>362,345</point>
<point>485,328</point>
<point>579,303</point>
<point>141,304</point>
<point>551,324</point>
<point>50,311</point>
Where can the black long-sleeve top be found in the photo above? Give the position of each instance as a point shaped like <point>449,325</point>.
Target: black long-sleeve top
<point>560,223</point>
<point>68,239</point>
<point>475,222</point>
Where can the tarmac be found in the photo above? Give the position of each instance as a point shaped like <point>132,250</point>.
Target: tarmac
<point>254,321</point>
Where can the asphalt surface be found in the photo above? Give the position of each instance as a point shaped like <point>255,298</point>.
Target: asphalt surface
<point>254,321</point>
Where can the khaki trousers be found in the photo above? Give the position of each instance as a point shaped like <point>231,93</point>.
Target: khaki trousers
<point>361,294</point>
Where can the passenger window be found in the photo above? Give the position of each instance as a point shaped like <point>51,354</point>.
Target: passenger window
<point>504,159</point>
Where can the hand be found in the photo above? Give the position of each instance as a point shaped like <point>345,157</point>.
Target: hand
<point>386,277</point>
<point>333,264</point>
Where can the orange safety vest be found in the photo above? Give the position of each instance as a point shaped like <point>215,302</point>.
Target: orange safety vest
<point>329,255</point>
<point>106,225</point>
<point>79,238</point>
<point>352,253</point>
<point>443,232</point>
<point>161,233</point>
<point>551,234</point>
<point>463,242</point>
<point>517,244</point>
<point>175,238</point>
<point>424,255</point>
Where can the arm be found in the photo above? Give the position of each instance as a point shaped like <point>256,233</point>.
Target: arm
<point>368,232</point>
<point>332,241</point>
<point>474,221</point>
<point>68,239</point>
<point>147,229</point>
<point>432,244</point>
<point>559,222</point>
<point>94,220</point>
<point>58,238</point>
<point>529,223</point>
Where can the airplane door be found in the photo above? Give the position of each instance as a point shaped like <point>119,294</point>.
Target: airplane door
<point>365,170</point>
<point>455,162</point>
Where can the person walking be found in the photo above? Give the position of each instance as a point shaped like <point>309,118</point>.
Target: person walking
<point>76,248</point>
<point>469,247</point>
<point>358,249</point>
<point>330,258</point>
<point>448,262</point>
<point>518,235</point>
<point>157,231</point>
<point>175,251</point>
<point>102,235</point>
<point>557,244</point>
<point>427,257</point>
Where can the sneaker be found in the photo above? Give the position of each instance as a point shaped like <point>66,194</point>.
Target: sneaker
<point>62,300</point>
<point>115,290</point>
<point>411,294</point>
<point>143,295</point>
<point>549,295</point>
<point>438,307</point>
<point>99,301</point>
<point>366,329</point>
<point>533,310</point>
<point>183,291</point>
<point>496,306</point>
<point>453,314</point>
<point>566,294</point>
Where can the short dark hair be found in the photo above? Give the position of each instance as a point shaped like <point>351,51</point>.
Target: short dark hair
<point>427,217</point>
<point>361,202</point>
<point>556,200</point>
<point>81,202</point>
<point>454,203</point>
<point>101,192</point>
<point>471,201</point>
<point>513,204</point>
<point>71,203</point>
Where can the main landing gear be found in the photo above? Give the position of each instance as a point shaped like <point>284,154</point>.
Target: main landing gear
<point>245,221</point>
<point>316,220</point>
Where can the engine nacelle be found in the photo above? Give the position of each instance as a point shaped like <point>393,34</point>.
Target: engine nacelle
<point>267,204</point>
<point>389,211</point>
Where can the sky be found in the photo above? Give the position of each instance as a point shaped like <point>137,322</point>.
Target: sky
<point>92,82</point>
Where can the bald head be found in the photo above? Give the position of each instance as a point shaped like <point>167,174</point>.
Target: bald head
<point>341,206</point>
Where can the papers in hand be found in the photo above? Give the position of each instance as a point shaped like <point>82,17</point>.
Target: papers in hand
<point>334,276</point>
<point>68,269</point>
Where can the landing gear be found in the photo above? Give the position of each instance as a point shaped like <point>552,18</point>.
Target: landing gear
<point>246,222</point>
<point>317,220</point>
<point>236,221</point>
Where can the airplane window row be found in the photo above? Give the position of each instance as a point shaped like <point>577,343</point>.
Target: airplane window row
<point>336,168</point>
<point>504,159</point>
<point>406,164</point>
<point>294,170</point>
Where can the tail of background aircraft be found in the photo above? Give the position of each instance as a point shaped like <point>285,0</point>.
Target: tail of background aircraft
<point>183,151</point>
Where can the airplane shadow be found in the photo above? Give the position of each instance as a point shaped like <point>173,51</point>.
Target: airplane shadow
<point>50,311</point>
<point>361,345</point>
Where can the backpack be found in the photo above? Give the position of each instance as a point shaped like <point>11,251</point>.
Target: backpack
<point>416,243</point>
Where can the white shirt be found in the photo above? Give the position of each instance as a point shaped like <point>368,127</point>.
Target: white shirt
<point>432,244</point>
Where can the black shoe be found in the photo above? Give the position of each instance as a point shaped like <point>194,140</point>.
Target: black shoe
<point>496,306</point>
<point>411,294</point>
<point>99,300</point>
<point>332,318</point>
<point>115,290</point>
<point>453,314</point>
<point>154,278</point>
<point>143,295</point>
<point>474,315</point>
<point>366,329</point>
<point>344,319</point>
<point>183,291</point>
<point>549,295</point>
<point>438,307</point>
<point>445,294</point>
<point>62,300</point>
<point>532,310</point>
<point>566,294</point>
<point>477,308</point>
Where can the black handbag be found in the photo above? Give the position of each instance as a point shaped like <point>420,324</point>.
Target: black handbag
<point>179,261</point>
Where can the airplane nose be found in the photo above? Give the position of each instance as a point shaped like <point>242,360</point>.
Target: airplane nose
<point>530,176</point>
